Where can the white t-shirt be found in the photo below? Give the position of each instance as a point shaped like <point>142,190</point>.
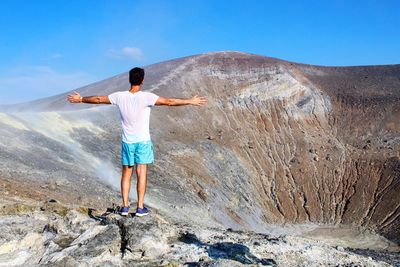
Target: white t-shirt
<point>134,109</point>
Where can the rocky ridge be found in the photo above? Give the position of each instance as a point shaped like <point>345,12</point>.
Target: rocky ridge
<point>279,143</point>
<point>53,234</point>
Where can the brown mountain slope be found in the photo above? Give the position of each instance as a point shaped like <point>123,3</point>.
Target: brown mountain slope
<point>278,142</point>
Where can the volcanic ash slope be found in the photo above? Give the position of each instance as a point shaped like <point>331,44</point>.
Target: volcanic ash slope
<point>278,142</point>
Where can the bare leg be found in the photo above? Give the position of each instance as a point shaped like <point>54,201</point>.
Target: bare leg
<point>126,184</point>
<point>141,173</point>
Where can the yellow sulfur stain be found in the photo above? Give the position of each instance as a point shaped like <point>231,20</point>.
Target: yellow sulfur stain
<point>7,119</point>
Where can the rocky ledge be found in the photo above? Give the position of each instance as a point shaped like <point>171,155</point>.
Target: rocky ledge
<point>53,234</point>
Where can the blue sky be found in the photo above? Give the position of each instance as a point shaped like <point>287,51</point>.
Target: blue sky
<point>48,47</point>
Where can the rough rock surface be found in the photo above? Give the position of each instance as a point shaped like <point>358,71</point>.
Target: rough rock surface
<point>278,142</point>
<point>52,234</point>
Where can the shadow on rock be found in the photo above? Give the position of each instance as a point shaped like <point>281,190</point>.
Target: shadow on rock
<point>392,258</point>
<point>226,250</point>
<point>101,217</point>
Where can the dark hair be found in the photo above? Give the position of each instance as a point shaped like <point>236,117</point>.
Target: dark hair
<point>136,76</point>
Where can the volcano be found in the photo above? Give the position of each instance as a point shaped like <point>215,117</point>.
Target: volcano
<point>278,143</point>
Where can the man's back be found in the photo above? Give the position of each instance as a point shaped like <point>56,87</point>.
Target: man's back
<point>134,110</point>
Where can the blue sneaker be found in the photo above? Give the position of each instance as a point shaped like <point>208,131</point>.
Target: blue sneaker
<point>142,212</point>
<point>124,211</point>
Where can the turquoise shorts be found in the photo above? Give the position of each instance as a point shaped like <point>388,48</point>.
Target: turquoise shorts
<point>137,153</point>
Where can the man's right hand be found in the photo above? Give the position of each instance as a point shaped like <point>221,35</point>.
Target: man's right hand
<point>75,98</point>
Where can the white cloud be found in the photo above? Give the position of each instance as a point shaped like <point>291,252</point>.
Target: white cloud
<point>56,56</point>
<point>24,83</point>
<point>128,52</point>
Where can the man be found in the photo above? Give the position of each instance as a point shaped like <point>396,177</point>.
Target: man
<point>137,148</point>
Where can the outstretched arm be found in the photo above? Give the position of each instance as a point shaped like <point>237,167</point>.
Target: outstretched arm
<point>77,98</point>
<point>195,101</point>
